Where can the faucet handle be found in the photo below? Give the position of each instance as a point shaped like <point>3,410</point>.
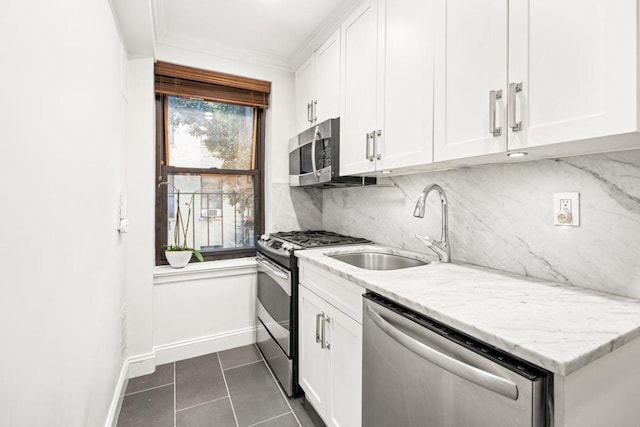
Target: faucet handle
<point>426,240</point>
<point>439,248</point>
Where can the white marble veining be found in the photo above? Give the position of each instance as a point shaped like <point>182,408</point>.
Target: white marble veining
<point>558,327</point>
<point>295,208</point>
<point>501,217</point>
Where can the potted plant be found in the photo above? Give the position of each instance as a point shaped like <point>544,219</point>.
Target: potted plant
<point>178,254</point>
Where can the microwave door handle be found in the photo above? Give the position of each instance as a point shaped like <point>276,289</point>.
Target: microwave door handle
<point>470,373</point>
<point>316,133</point>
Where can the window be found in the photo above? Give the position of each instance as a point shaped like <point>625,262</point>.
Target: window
<point>210,149</point>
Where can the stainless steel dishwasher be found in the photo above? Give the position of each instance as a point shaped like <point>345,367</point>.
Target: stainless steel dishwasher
<point>420,373</point>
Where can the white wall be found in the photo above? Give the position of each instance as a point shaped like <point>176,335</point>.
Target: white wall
<point>212,311</point>
<point>171,320</point>
<point>62,117</point>
<point>140,172</point>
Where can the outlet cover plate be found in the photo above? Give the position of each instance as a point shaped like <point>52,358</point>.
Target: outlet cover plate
<point>559,202</point>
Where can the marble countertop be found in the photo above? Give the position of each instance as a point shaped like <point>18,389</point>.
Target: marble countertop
<point>557,327</point>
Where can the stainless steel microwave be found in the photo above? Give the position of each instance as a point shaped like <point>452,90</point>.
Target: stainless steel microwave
<point>314,158</point>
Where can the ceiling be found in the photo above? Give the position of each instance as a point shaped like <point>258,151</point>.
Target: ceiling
<point>270,32</point>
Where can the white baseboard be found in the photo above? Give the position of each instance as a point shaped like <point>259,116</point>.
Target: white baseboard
<point>187,349</point>
<point>146,363</point>
<point>143,364</point>
<point>118,396</point>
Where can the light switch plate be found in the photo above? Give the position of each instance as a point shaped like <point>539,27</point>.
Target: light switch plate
<point>567,202</point>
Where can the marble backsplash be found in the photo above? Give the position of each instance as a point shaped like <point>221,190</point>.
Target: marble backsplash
<point>501,216</point>
<point>295,208</point>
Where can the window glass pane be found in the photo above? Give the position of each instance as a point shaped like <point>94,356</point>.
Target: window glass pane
<point>205,134</point>
<point>219,210</point>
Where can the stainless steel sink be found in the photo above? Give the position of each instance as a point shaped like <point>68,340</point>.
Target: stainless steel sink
<point>378,260</point>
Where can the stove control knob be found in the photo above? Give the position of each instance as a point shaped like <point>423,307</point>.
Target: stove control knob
<point>287,246</point>
<point>265,237</point>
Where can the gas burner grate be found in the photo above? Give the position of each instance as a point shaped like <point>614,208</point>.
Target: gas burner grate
<point>314,238</point>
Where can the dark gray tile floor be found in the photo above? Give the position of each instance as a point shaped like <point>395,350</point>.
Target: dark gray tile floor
<point>231,388</point>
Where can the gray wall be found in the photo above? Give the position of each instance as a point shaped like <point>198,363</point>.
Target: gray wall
<point>501,216</point>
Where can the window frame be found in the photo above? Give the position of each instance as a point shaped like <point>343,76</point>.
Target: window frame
<point>163,171</point>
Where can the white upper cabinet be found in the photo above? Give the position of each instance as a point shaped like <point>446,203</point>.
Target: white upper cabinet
<point>406,112</point>
<point>305,94</point>
<point>520,74</point>
<point>318,85</point>
<point>359,38</point>
<point>387,91</point>
<point>327,69</point>
<point>576,60</point>
<point>471,65</point>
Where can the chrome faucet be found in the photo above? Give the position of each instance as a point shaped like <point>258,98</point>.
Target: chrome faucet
<point>440,247</point>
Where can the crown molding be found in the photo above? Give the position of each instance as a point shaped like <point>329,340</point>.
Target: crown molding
<point>180,41</point>
<point>324,31</point>
<point>199,46</point>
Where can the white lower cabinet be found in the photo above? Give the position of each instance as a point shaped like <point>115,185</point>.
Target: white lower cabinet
<point>330,360</point>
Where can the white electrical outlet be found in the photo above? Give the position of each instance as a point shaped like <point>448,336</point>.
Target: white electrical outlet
<point>566,209</point>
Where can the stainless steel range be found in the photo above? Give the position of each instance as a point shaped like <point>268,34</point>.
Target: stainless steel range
<point>277,307</point>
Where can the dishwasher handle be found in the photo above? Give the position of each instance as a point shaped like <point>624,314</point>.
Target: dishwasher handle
<point>470,373</point>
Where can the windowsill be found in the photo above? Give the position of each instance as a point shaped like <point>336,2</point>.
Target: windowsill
<point>165,274</point>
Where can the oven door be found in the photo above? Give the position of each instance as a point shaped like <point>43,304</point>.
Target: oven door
<point>274,322</point>
<point>274,301</point>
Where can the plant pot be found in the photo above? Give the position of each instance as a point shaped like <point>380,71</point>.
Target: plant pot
<point>178,259</point>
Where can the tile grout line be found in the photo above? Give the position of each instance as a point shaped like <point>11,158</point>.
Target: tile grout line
<point>228,392</point>
<point>175,397</point>
<point>286,399</point>
<point>240,366</point>
<point>270,419</point>
<point>203,403</point>
<point>148,389</point>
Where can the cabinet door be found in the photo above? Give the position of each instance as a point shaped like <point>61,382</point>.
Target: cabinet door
<point>360,70</point>
<point>313,361</point>
<point>305,93</point>
<point>407,136</point>
<point>345,381</point>
<point>471,61</point>
<point>577,62</point>
<point>327,70</point>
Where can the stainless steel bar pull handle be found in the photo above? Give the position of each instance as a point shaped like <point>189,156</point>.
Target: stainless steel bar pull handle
<point>314,111</point>
<point>308,112</point>
<point>322,331</point>
<point>319,316</point>
<point>494,95</point>
<point>514,88</point>
<point>370,139</point>
<point>378,143</point>
<point>470,373</point>
<point>270,268</point>
<point>325,341</point>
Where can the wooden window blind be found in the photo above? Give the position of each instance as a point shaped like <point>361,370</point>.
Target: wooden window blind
<point>178,80</point>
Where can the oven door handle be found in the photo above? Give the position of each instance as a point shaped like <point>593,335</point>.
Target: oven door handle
<point>272,268</point>
<point>457,367</point>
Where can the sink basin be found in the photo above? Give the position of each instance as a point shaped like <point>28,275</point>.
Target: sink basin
<point>378,260</point>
